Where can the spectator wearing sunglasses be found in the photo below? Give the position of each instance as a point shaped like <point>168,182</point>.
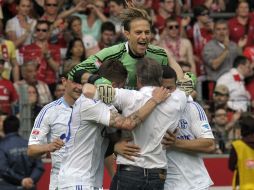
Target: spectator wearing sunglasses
<point>180,48</point>
<point>45,55</point>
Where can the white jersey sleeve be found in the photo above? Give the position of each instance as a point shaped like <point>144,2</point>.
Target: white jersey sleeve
<point>41,126</point>
<point>199,123</point>
<point>95,111</point>
<point>125,98</point>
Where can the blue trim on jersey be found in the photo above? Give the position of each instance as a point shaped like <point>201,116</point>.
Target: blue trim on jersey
<point>78,187</point>
<point>68,136</point>
<point>44,110</point>
<point>201,112</point>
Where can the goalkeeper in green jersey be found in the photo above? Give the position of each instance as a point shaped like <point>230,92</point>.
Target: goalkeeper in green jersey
<point>137,29</point>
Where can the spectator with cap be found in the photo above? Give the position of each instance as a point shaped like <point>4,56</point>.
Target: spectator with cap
<point>17,170</point>
<point>239,97</point>
<point>241,157</point>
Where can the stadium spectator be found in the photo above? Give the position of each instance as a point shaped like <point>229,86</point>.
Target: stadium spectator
<point>93,18</point>
<point>59,91</point>
<point>28,72</point>
<point>167,8</point>
<point>242,155</point>
<point>218,55</point>
<point>74,31</point>
<point>20,28</point>
<point>8,54</point>
<point>46,55</point>
<point>74,55</point>
<point>200,34</point>
<point>179,48</point>
<point>8,94</point>
<point>108,33</point>
<point>224,130</point>
<point>249,53</point>
<point>115,9</point>
<point>17,170</point>
<point>239,97</point>
<point>240,26</point>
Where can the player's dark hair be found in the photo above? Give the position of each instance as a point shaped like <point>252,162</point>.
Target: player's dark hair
<point>11,124</point>
<point>168,72</point>
<point>113,70</point>
<point>149,72</point>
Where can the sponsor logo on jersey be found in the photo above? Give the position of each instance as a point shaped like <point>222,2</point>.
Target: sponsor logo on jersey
<point>183,124</point>
<point>206,126</point>
<point>35,132</point>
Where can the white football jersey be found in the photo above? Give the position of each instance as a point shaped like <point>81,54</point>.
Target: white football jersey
<point>187,170</point>
<point>50,124</point>
<point>83,160</point>
<point>149,134</point>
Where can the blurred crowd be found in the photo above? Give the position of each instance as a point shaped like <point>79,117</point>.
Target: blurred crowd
<point>40,40</point>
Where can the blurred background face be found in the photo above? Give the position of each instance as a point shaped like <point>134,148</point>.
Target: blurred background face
<point>168,6</point>
<point>42,32</point>
<point>204,17</point>
<point>51,7</point>
<point>76,26</point>
<point>243,9</point>
<point>77,49</point>
<point>32,95</point>
<point>220,117</point>
<point>107,37</point>
<point>100,5</point>
<point>247,69</point>
<point>59,92</point>
<point>173,29</point>
<point>114,8</point>
<point>24,7</point>
<point>29,74</point>
<point>220,32</point>
<point>220,99</point>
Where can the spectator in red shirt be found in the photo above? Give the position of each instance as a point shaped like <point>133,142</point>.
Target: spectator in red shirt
<point>166,9</point>
<point>241,26</point>
<point>45,54</point>
<point>8,94</point>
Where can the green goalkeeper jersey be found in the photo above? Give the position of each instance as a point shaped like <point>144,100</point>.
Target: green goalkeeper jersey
<point>120,52</point>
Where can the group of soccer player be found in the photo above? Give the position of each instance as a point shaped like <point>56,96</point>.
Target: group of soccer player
<point>164,128</point>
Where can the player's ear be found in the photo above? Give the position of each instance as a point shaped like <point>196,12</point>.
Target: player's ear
<point>127,34</point>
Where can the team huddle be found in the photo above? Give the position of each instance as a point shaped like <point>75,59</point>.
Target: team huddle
<point>164,128</point>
